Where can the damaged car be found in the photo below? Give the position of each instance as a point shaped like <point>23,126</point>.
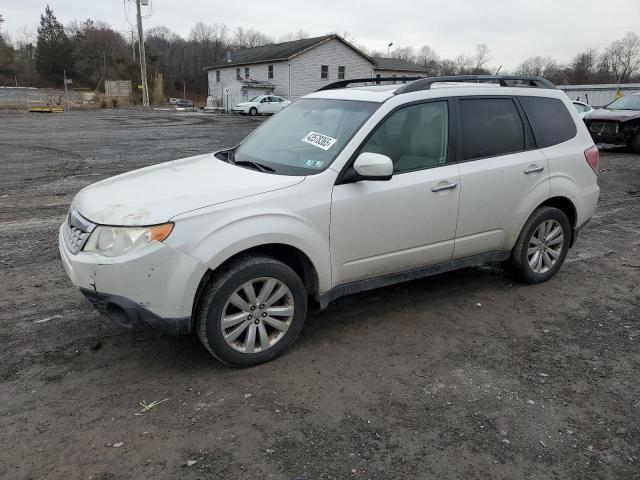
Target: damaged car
<point>618,123</point>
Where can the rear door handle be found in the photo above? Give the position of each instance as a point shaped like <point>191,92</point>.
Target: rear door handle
<point>441,188</point>
<point>534,169</point>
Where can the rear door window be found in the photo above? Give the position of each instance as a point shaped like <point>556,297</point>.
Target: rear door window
<point>490,127</point>
<point>551,121</point>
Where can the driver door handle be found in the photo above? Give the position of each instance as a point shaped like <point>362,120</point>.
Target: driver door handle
<point>533,169</point>
<point>441,188</point>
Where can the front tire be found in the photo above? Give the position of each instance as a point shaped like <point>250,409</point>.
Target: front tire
<point>251,311</point>
<point>253,111</point>
<point>542,246</point>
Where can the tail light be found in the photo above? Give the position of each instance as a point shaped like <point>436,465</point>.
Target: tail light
<point>593,158</point>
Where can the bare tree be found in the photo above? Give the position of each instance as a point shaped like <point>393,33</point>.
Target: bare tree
<point>428,59</point>
<point>291,36</point>
<point>403,53</point>
<point>581,70</point>
<point>480,59</point>
<point>249,38</point>
<point>536,66</point>
<point>463,64</point>
<point>98,49</point>
<point>622,59</point>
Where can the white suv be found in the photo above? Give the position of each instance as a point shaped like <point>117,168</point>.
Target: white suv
<point>345,190</point>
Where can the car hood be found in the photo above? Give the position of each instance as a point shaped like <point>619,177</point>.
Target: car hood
<point>158,193</point>
<point>615,115</point>
<point>244,104</point>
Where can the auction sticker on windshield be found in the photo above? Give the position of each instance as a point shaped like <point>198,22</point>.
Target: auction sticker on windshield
<point>319,140</point>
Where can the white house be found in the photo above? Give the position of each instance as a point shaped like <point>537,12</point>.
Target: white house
<point>396,67</point>
<point>288,69</point>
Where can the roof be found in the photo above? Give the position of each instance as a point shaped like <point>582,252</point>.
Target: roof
<point>279,52</point>
<point>602,86</point>
<point>382,93</point>
<point>384,63</point>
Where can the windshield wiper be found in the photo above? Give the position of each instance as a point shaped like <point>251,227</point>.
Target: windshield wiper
<point>255,165</point>
<point>231,158</point>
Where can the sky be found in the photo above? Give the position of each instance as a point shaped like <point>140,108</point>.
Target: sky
<point>512,29</point>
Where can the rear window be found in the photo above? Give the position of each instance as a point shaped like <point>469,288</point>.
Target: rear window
<point>551,122</point>
<point>490,127</point>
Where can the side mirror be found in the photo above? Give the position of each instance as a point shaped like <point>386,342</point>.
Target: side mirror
<point>372,166</point>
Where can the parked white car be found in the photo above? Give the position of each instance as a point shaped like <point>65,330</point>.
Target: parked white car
<point>582,108</point>
<point>347,189</point>
<point>262,105</point>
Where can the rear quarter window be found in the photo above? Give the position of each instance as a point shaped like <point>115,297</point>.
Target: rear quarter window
<point>550,120</point>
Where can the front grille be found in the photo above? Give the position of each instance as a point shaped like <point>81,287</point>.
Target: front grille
<point>76,231</point>
<point>604,127</point>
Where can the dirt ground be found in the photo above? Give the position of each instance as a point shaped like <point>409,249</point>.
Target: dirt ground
<point>462,375</point>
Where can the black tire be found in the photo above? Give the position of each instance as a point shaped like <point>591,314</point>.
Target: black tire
<point>253,111</point>
<point>223,284</point>
<point>518,263</point>
<point>635,143</point>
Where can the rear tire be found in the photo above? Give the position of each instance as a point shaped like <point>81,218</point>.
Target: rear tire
<point>541,247</point>
<point>238,301</point>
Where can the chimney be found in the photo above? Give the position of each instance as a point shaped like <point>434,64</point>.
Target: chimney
<point>228,56</point>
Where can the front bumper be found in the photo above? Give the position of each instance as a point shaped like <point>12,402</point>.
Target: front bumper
<point>154,286</point>
<point>609,138</point>
<point>134,316</point>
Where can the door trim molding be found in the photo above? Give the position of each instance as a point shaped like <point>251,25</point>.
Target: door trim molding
<point>390,279</point>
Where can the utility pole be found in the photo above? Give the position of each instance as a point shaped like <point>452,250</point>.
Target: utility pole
<point>184,89</point>
<point>66,92</point>
<point>143,62</point>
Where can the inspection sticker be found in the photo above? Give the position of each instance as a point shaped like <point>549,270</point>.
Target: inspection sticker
<point>319,140</point>
<point>313,163</point>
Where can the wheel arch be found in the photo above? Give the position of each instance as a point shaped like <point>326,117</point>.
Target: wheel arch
<point>565,205</point>
<point>291,256</point>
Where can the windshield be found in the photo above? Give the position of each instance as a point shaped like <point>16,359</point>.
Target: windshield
<point>255,99</point>
<point>630,102</point>
<point>305,137</point>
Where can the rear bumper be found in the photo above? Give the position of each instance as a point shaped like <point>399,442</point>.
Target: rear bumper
<point>134,316</point>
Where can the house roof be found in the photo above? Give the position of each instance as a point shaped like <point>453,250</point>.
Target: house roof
<point>278,52</point>
<point>383,63</point>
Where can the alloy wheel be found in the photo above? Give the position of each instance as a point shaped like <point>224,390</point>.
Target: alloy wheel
<point>545,246</point>
<point>257,315</point>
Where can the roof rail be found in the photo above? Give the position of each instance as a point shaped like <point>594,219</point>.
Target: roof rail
<point>502,80</point>
<point>375,80</point>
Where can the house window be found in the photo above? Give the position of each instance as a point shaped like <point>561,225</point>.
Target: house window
<point>217,76</point>
<point>246,73</point>
<point>238,74</point>
<point>324,72</point>
<point>341,72</point>
<point>270,71</point>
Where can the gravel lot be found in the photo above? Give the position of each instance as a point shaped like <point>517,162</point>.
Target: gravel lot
<point>466,374</point>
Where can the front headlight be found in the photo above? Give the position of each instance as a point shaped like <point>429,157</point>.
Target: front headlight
<point>116,241</point>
